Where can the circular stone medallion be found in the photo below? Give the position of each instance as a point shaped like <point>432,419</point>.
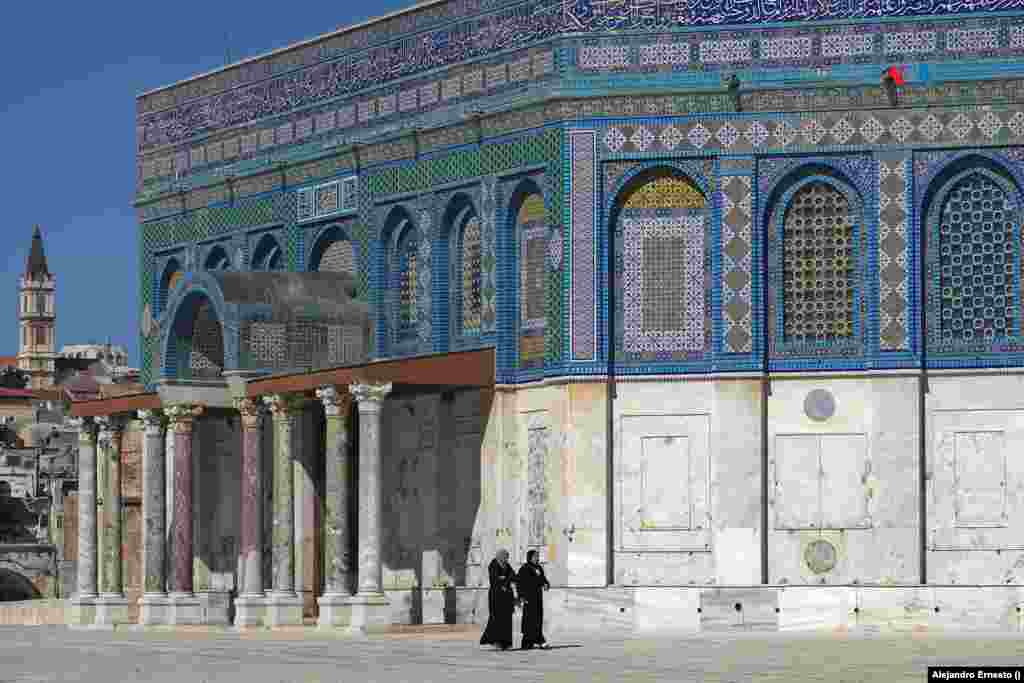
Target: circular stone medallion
<point>820,556</point>
<point>820,405</point>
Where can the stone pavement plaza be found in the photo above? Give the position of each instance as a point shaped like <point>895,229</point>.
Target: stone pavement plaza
<point>39,654</point>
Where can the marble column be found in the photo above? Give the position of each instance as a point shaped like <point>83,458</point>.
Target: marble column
<point>338,569</point>
<point>250,607</point>
<point>112,606</point>
<point>153,604</point>
<point>284,607</point>
<point>83,604</point>
<point>369,606</point>
<point>184,606</point>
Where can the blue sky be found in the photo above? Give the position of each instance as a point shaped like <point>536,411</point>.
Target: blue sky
<point>67,128</point>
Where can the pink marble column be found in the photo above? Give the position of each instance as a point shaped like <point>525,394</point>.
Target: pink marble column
<point>252,497</point>
<point>182,419</point>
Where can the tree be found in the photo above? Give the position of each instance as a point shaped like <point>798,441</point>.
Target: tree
<point>13,378</point>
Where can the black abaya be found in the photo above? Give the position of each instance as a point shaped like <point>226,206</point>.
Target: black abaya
<point>532,582</point>
<point>501,601</point>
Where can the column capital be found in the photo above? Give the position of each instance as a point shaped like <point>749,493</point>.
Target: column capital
<point>111,428</point>
<point>152,420</point>
<point>285,406</point>
<point>336,403</point>
<point>370,396</point>
<point>183,416</point>
<point>252,411</point>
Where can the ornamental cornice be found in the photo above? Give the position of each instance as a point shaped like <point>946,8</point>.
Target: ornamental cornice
<point>182,416</point>
<point>336,402</point>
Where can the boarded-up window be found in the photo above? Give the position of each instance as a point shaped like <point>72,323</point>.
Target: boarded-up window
<point>819,481</point>
<point>980,479</point>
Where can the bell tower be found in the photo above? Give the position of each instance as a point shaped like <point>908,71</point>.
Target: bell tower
<point>37,318</point>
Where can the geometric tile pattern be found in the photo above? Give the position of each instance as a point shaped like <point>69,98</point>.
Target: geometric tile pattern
<point>893,253</point>
<point>531,227</point>
<point>737,257</point>
<point>978,279</point>
<point>408,278</point>
<point>339,257</point>
<point>488,256</point>
<point>583,190</point>
<point>469,259</point>
<point>663,283</point>
<point>818,265</point>
<point>206,356</point>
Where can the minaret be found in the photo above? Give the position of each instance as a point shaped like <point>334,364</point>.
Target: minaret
<point>37,318</point>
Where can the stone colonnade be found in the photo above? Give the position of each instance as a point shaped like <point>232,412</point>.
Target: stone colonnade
<point>353,597</point>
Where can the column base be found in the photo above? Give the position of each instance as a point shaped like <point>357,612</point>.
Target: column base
<point>335,611</point>
<point>154,609</point>
<point>215,605</point>
<point>185,610</point>
<point>81,612</point>
<point>111,611</point>
<point>370,613</point>
<point>250,611</point>
<point>283,609</point>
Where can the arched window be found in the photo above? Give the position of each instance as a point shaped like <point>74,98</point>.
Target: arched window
<point>218,260</point>
<point>818,265</point>
<point>268,255</point>
<point>172,275</point>
<point>663,270</point>
<point>335,254</point>
<point>470,300</point>
<point>977,271</point>
<point>207,355</point>
<point>532,231</point>
<point>406,280</point>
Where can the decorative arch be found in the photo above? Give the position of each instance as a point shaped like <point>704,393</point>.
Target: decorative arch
<point>333,251</point>
<point>463,231</point>
<point>817,261</point>
<point>972,235</point>
<point>661,220</point>
<point>529,221</point>
<point>217,259</point>
<point>195,344</point>
<point>406,278</point>
<point>268,255</point>
<point>169,279</point>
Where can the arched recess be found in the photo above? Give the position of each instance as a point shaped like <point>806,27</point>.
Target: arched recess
<point>661,222</point>
<point>405,277</point>
<point>531,234</point>
<point>16,588</point>
<point>972,234</point>
<point>817,260</point>
<point>464,238</point>
<point>169,279</point>
<point>217,259</point>
<point>268,254</point>
<point>333,252</point>
<point>195,340</point>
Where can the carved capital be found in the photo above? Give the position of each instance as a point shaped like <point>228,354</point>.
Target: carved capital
<point>152,421</point>
<point>85,426</point>
<point>111,429</point>
<point>370,396</point>
<point>285,406</point>
<point>182,416</point>
<point>252,412</point>
<point>336,403</point>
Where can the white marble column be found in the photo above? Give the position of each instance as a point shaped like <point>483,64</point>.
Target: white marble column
<point>83,604</point>
<point>370,609</point>
<point>250,607</point>
<point>153,603</point>
<point>112,606</point>
<point>284,607</point>
<point>338,570</point>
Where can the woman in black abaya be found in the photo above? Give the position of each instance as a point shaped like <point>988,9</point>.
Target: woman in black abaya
<point>501,599</point>
<point>532,584</point>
